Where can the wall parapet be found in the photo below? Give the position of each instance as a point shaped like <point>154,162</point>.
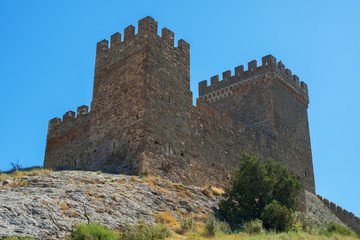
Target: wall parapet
<point>269,64</point>
<point>146,26</point>
<point>69,119</point>
<point>345,216</point>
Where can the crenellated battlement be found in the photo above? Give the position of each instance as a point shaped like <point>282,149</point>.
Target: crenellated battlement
<point>69,120</point>
<point>345,216</point>
<point>219,89</point>
<point>146,26</point>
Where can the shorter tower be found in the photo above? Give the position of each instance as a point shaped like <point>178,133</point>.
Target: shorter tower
<point>272,103</point>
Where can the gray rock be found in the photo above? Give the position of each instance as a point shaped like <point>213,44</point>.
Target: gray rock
<point>61,199</point>
<point>6,182</point>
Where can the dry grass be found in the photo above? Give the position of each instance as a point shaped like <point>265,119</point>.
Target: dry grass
<point>199,217</point>
<point>207,191</point>
<point>217,191</point>
<point>15,183</point>
<point>122,181</point>
<point>185,194</point>
<point>162,190</point>
<point>151,179</point>
<point>267,236</point>
<point>165,218</point>
<point>22,173</point>
<point>211,191</point>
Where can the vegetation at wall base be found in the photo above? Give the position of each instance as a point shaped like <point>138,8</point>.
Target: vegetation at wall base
<point>253,227</point>
<point>335,229</point>
<point>93,231</point>
<point>277,217</point>
<point>142,231</point>
<point>187,224</point>
<point>254,186</point>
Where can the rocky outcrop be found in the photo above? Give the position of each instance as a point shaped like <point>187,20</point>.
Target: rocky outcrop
<point>44,202</point>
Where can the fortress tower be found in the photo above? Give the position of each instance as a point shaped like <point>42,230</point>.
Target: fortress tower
<point>273,103</point>
<point>142,117</point>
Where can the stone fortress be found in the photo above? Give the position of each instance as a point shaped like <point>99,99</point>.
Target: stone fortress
<point>142,117</point>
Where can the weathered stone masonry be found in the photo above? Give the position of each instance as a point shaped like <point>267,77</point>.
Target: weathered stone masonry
<point>142,117</point>
<point>346,217</point>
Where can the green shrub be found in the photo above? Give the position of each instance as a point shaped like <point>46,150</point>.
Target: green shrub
<point>223,226</point>
<point>277,217</point>
<point>142,231</point>
<point>93,231</point>
<point>253,186</point>
<point>333,229</point>
<point>253,227</point>
<point>212,226</point>
<point>187,224</point>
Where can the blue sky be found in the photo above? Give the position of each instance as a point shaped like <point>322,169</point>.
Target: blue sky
<point>48,53</point>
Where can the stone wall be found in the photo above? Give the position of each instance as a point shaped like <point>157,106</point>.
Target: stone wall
<point>352,221</point>
<point>68,140</point>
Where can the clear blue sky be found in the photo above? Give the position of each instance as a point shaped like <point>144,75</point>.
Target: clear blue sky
<point>48,53</point>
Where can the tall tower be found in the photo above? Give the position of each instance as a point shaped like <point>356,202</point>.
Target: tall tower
<point>141,98</point>
<point>271,101</point>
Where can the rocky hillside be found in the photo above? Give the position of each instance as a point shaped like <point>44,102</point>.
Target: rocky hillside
<point>38,205</point>
<point>41,203</point>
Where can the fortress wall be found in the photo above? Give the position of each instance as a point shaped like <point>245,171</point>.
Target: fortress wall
<point>217,143</point>
<point>213,152</point>
<point>68,140</point>
<point>117,108</point>
<point>352,221</point>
